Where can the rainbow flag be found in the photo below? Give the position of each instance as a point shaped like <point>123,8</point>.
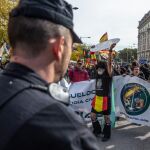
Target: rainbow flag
<point>100,103</point>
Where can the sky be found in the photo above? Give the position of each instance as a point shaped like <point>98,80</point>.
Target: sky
<point>119,18</point>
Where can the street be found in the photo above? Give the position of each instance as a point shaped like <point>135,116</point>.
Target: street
<point>127,136</point>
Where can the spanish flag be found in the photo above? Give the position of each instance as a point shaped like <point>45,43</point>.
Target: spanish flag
<point>93,56</point>
<point>100,103</point>
<point>104,38</point>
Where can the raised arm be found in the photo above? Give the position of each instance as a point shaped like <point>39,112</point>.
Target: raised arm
<point>109,64</point>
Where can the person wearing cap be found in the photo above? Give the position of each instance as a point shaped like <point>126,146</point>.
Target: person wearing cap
<point>78,73</point>
<point>34,113</point>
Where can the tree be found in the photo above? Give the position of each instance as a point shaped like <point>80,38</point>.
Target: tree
<point>5,7</point>
<point>127,55</point>
<point>80,52</point>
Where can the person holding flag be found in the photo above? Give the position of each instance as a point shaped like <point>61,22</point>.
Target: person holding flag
<point>101,103</point>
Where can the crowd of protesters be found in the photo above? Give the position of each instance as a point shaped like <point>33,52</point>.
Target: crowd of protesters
<point>77,72</point>
<point>133,69</point>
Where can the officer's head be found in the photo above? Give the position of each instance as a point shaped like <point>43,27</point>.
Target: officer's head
<point>39,27</point>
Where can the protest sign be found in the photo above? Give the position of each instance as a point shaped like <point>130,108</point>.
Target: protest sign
<point>81,96</point>
<point>132,99</point>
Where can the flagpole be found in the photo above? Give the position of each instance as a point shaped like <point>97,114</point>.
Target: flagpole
<point>110,59</point>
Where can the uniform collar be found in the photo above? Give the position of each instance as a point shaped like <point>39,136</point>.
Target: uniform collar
<point>24,73</point>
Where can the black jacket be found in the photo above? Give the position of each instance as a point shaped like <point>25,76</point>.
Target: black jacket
<point>53,127</point>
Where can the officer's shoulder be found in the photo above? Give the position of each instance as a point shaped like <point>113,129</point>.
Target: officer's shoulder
<point>57,108</point>
<point>64,113</point>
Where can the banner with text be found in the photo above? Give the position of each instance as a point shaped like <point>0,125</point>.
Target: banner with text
<point>132,96</point>
<point>81,96</point>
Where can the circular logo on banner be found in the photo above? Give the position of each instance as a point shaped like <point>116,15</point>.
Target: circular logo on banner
<point>135,98</point>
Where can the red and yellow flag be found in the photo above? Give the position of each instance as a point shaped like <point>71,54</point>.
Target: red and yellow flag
<point>93,56</point>
<point>100,103</point>
<point>104,38</point>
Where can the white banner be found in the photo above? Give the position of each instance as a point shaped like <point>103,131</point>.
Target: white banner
<point>104,45</point>
<point>132,99</point>
<point>81,95</point>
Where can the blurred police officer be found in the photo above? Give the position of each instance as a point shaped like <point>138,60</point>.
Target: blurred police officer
<point>33,111</point>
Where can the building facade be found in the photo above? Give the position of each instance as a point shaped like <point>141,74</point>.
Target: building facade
<point>143,52</point>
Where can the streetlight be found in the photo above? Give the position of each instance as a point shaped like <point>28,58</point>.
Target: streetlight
<point>134,45</point>
<point>75,8</point>
<point>127,56</point>
<point>132,54</point>
<point>85,37</point>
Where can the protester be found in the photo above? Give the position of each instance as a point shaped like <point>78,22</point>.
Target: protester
<point>103,92</point>
<point>33,114</point>
<point>136,72</point>
<point>123,71</point>
<point>146,71</point>
<point>92,72</point>
<point>78,73</point>
<point>116,70</point>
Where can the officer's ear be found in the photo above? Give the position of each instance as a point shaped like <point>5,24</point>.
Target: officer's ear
<point>57,47</point>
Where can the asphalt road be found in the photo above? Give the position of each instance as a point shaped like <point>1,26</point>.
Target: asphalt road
<point>127,136</point>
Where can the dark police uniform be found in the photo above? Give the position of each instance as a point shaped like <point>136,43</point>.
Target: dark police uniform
<point>51,126</point>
